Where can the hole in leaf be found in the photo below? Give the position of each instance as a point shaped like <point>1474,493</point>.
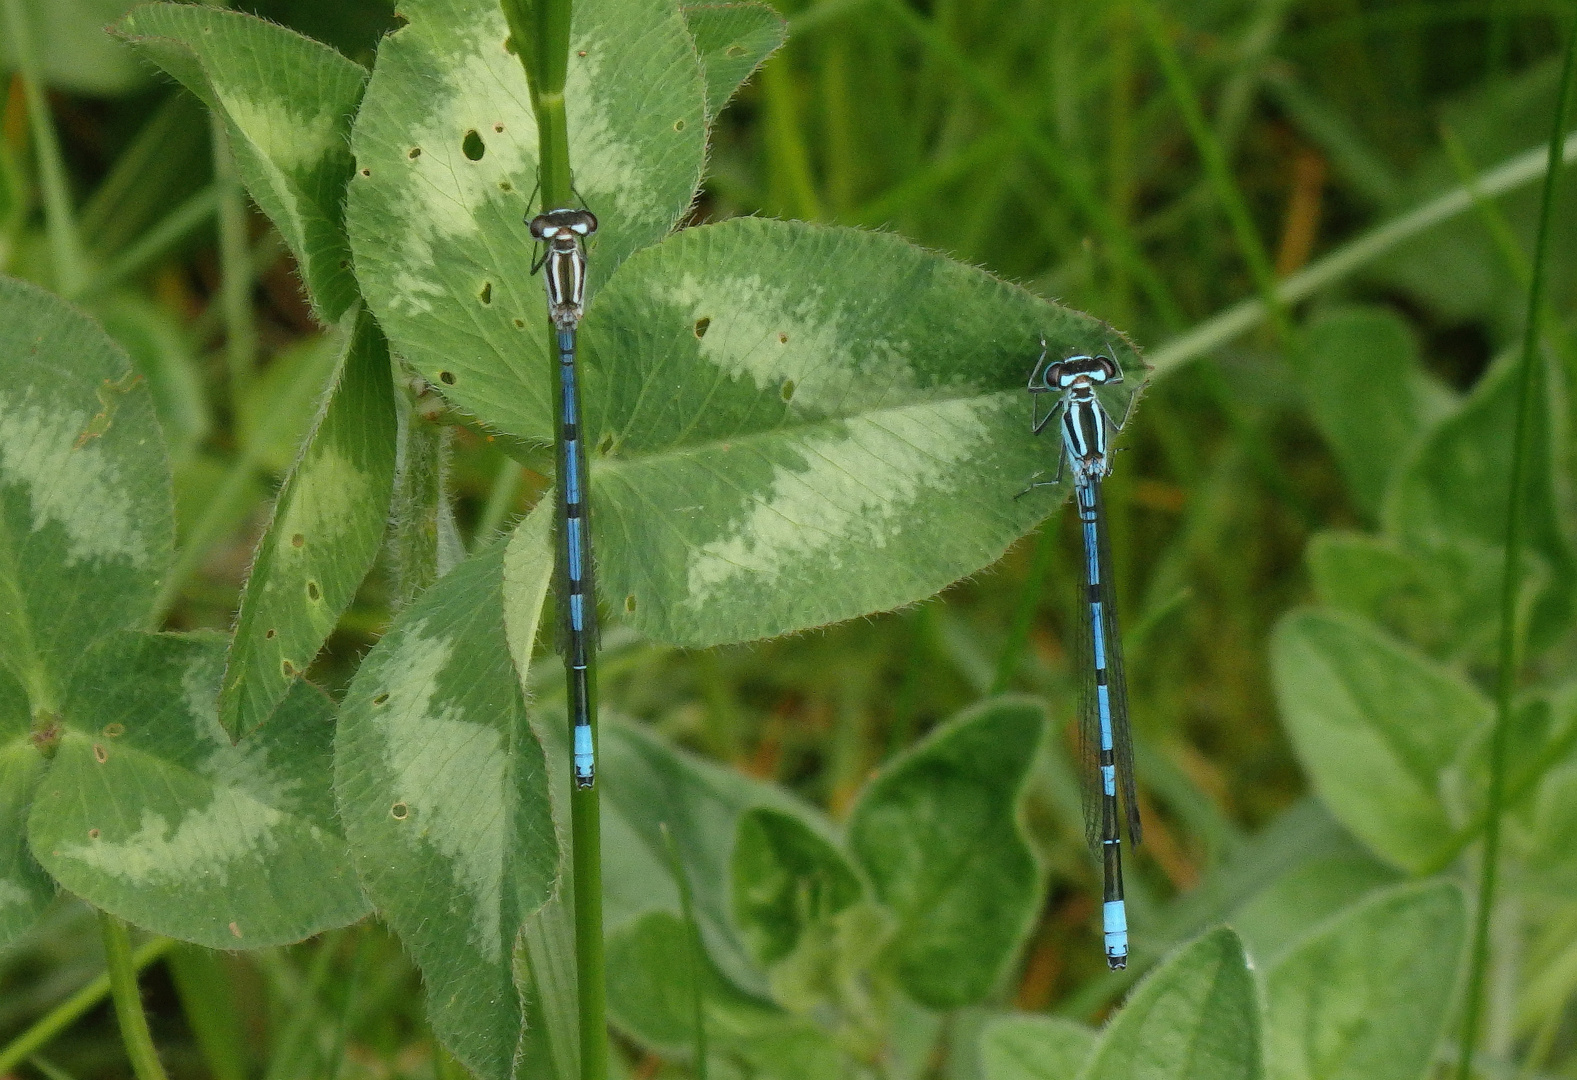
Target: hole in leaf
<point>270,633</point>
<point>678,125</point>
<point>414,152</point>
<point>114,731</point>
<point>297,540</point>
<point>486,295</point>
<point>288,668</point>
<point>312,590</point>
<point>605,444</point>
<point>629,602</point>
<point>505,185</point>
<point>366,172</point>
<point>446,377</point>
<point>788,390</point>
<point>344,264</point>
<point>381,699</point>
<point>472,145</point>
<point>498,127</point>
<point>782,339</point>
<point>520,324</point>
<point>399,811</point>
<point>735,51</point>
<point>93,834</point>
<point>100,754</point>
<point>701,326</point>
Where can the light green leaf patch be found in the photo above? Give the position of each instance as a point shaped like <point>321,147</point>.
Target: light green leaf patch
<point>24,889</point>
<point>797,424</point>
<point>1376,725</point>
<point>1034,1048</point>
<point>1365,998</point>
<point>86,519</point>
<point>446,152</point>
<point>733,41</point>
<point>938,833</point>
<point>327,526</point>
<point>442,788</point>
<point>287,103</point>
<point>150,813</point>
<point>1196,1017</point>
<point>1449,501</point>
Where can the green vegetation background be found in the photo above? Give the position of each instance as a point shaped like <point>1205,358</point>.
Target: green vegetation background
<point>1041,140</point>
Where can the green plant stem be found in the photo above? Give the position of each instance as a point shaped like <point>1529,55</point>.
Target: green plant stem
<point>1243,316</point>
<point>235,264</point>
<point>1506,680</point>
<point>692,935</point>
<point>65,242</point>
<point>128,1000</point>
<point>540,32</point>
<point>500,501</point>
<point>62,1016</point>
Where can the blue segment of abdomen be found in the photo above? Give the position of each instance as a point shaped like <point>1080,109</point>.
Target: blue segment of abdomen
<point>572,540</point>
<point>584,756</point>
<point>1114,916</point>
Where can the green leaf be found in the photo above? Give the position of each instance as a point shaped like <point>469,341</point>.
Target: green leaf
<point>785,878</point>
<point>278,407</point>
<point>325,532</point>
<point>798,424</point>
<point>150,813</point>
<point>1196,1017</point>
<point>287,103</point>
<point>1368,394</point>
<point>545,979</point>
<point>650,994</point>
<point>1367,996</point>
<point>24,888</point>
<point>1375,725</point>
<point>1284,911</point>
<point>733,39</point>
<point>1034,1048</point>
<point>156,341</point>
<point>73,51</point>
<point>442,249</point>
<point>443,791</point>
<point>647,782</point>
<point>938,834</point>
<point>1451,496</point>
<point>1446,599</point>
<point>86,519</point>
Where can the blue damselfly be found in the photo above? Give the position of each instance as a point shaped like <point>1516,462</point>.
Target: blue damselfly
<point>1105,742</point>
<point>563,262</point>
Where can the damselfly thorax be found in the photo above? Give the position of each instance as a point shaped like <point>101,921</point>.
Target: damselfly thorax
<point>563,261</point>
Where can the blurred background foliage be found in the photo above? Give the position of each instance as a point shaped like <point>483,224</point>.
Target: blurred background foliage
<point>1042,140</point>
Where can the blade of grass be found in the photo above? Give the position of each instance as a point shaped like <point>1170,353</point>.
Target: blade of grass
<point>1243,316</point>
<point>235,267</point>
<point>1118,240</point>
<point>62,1016</point>
<point>134,1034</point>
<point>65,242</point>
<point>1217,171</point>
<point>791,187</point>
<point>1506,680</point>
<point>156,242</point>
<point>1028,603</point>
<point>208,1000</point>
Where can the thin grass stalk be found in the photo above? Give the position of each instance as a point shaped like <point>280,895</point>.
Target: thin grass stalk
<point>235,264</point>
<point>1219,173</point>
<point>1243,316</point>
<point>539,31</point>
<point>134,1034</point>
<point>1516,513</point>
<point>60,224</point>
<point>68,1012</point>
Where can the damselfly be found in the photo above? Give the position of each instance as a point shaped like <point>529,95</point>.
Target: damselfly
<point>1106,745</point>
<point>563,260</point>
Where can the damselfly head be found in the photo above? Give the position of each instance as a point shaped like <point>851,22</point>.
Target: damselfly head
<point>1081,370</point>
<point>563,226</point>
